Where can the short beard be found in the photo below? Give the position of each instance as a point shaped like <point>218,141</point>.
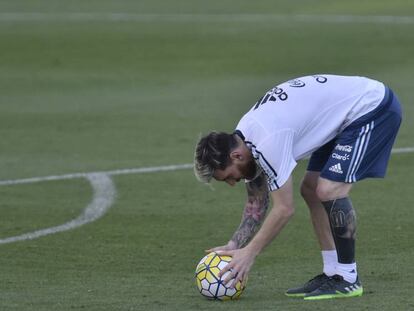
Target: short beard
<point>249,170</point>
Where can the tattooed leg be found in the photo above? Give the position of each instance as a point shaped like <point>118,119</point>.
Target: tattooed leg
<point>342,219</point>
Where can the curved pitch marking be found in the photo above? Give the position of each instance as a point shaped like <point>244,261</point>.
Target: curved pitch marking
<point>103,197</point>
<point>104,194</point>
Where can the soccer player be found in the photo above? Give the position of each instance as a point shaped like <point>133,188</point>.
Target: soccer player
<point>347,124</point>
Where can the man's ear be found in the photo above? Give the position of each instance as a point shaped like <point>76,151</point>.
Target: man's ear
<point>236,155</point>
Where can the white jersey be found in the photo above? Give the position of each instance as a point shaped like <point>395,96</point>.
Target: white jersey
<point>297,117</point>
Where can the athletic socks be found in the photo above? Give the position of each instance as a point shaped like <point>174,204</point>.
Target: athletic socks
<point>331,266</point>
<point>330,260</point>
<point>347,271</point>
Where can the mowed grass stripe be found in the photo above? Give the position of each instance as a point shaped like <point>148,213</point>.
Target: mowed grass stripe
<point>141,170</point>
<point>139,17</point>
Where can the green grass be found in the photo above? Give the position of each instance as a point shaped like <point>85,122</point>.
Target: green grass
<point>82,96</point>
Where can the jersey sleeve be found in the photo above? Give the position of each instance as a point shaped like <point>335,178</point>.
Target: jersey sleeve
<point>274,154</point>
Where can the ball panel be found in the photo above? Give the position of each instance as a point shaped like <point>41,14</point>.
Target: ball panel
<point>205,284</point>
<point>200,267</point>
<point>231,292</point>
<point>207,294</point>
<point>215,271</point>
<point>225,258</point>
<point>215,261</point>
<point>202,275</point>
<point>209,258</point>
<point>210,277</point>
<point>222,264</point>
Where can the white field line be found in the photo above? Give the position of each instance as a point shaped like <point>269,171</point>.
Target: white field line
<point>104,194</point>
<point>128,171</point>
<point>177,18</point>
<point>153,169</point>
<point>403,150</point>
<point>103,197</point>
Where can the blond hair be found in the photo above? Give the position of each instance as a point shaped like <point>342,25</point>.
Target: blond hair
<point>212,152</point>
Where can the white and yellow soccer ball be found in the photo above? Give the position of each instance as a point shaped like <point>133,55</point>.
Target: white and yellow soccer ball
<point>210,285</point>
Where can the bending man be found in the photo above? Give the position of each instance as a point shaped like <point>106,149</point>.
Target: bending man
<point>348,126</point>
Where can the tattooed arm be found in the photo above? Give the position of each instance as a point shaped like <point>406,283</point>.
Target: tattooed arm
<point>254,211</point>
<point>277,218</point>
<point>253,215</point>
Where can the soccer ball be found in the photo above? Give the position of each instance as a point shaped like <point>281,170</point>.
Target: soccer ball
<point>208,282</point>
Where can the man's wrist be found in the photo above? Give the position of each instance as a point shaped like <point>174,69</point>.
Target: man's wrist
<point>254,248</point>
<point>232,244</point>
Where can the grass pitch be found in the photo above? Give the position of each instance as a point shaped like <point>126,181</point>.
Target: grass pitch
<point>99,92</point>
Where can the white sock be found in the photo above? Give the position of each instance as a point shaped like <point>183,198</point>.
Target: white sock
<point>330,260</point>
<point>347,271</point>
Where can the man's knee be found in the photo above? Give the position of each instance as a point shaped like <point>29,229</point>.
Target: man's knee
<point>330,190</point>
<point>308,188</point>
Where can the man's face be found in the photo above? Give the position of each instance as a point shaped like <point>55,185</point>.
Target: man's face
<point>237,170</point>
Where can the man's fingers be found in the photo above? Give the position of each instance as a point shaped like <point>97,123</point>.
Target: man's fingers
<point>231,275</point>
<point>216,249</point>
<point>224,252</point>
<point>233,278</point>
<point>225,269</point>
<point>244,281</point>
<point>237,280</point>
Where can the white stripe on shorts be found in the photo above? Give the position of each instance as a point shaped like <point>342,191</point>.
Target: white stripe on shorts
<point>360,149</point>
<point>355,153</point>
<point>363,153</point>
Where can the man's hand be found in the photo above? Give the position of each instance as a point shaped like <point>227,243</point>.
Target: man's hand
<point>242,261</point>
<point>228,247</point>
